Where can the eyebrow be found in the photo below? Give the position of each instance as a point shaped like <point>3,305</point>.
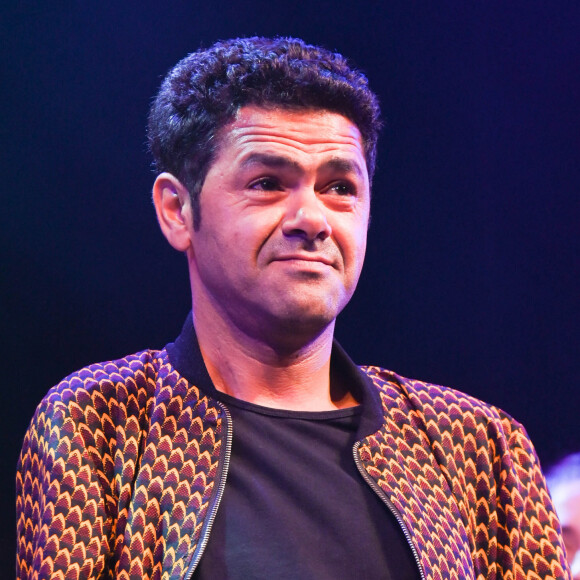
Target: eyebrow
<point>272,161</point>
<point>343,166</point>
<point>338,164</point>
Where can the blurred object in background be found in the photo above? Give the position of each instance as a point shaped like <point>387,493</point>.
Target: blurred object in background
<point>564,484</point>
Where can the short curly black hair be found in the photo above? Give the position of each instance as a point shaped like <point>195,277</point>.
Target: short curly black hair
<point>203,92</point>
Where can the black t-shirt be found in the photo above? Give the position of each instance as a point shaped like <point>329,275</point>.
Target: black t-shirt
<point>295,505</point>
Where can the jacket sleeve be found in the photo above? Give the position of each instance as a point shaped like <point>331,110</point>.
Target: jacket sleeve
<point>532,544</point>
<point>62,524</point>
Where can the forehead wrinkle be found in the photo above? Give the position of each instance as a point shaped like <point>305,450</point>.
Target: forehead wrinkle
<point>245,127</point>
<point>253,126</point>
<point>293,137</point>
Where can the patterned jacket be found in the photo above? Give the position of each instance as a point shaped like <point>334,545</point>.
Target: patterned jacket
<point>124,464</point>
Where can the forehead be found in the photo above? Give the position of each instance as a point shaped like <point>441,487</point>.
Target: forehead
<point>304,134</point>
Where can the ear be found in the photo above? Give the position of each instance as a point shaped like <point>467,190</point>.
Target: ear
<point>173,208</point>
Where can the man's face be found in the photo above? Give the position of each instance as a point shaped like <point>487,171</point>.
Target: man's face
<point>285,210</point>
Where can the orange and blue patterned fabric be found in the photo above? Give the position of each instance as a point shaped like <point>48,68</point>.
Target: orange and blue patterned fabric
<point>124,460</point>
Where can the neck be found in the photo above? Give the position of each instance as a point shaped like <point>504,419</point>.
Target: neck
<point>274,374</point>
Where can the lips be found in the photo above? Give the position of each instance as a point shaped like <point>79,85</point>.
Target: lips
<point>304,258</point>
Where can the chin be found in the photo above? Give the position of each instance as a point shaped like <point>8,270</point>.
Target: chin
<point>308,315</point>
<point>301,313</point>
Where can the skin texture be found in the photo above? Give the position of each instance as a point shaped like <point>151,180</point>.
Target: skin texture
<point>566,496</point>
<point>278,254</point>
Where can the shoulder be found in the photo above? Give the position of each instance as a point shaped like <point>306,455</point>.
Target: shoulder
<point>115,389</point>
<point>105,378</point>
<point>441,408</point>
<point>466,435</point>
<point>92,407</point>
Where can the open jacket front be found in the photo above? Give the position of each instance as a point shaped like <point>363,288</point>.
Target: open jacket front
<point>124,464</point>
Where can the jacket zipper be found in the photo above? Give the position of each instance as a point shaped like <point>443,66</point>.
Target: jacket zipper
<point>222,484</point>
<point>214,507</point>
<point>390,505</point>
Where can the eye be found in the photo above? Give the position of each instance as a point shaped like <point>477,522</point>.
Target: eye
<point>265,184</point>
<point>342,188</point>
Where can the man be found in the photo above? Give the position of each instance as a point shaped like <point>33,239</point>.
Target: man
<point>564,483</point>
<point>252,447</point>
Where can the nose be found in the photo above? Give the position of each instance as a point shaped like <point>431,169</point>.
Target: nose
<point>307,219</point>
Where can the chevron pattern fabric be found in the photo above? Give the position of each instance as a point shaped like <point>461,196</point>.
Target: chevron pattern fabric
<point>467,482</point>
<point>122,462</point>
<point>116,474</point>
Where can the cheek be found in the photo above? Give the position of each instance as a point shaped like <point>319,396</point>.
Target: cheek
<point>362,241</point>
<point>354,242</point>
<point>360,258</point>
<point>259,229</point>
<point>362,234</point>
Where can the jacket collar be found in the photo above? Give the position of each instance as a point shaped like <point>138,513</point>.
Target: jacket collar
<point>185,356</point>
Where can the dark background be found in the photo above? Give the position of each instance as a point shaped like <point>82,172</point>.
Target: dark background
<point>472,274</point>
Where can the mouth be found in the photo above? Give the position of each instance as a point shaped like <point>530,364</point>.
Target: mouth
<point>312,258</point>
